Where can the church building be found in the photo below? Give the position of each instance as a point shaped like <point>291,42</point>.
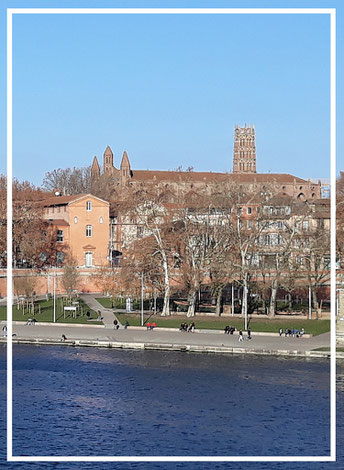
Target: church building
<point>244,172</point>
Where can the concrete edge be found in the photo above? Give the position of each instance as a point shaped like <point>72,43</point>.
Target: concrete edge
<point>203,330</point>
<point>83,325</point>
<point>172,347</point>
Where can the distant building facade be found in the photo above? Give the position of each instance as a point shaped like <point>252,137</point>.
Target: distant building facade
<point>244,173</point>
<point>81,223</point>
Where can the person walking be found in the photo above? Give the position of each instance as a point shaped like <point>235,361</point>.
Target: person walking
<point>241,337</point>
<point>280,331</point>
<point>249,337</point>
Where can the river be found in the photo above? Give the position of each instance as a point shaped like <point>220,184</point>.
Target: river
<point>86,401</point>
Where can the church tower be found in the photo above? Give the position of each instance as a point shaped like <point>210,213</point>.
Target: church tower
<point>108,161</point>
<point>95,169</point>
<point>244,157</point>
<point>125,166</point>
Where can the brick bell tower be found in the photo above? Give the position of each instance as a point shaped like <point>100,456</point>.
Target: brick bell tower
<point>244,157</point>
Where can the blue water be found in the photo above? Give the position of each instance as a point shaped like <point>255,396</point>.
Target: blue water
<point>80,401</point>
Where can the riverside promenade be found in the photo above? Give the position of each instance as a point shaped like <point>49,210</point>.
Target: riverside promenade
<point>208,341</point>
<point>168,339</point>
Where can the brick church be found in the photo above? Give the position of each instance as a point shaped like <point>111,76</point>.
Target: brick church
<point>244,172</point>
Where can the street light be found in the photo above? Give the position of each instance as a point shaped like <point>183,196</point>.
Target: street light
<point>142,289</point>
<point>54,294</point>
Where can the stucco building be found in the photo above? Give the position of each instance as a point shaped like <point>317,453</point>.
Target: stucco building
<point>81,223</point>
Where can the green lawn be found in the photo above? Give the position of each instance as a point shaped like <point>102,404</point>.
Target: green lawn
<point>328,349</point>
<point>46,313</point>
<point>314,327</point>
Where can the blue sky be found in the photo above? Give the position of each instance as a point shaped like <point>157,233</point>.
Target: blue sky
<point>170,88</point>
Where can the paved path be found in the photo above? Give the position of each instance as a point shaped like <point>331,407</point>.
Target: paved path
<point>157,336</point>
<point>107,313</point>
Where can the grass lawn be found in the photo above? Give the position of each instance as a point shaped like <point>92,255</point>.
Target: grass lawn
<point>47,311</point>
<point>328,349</point>
<point>315,327</point>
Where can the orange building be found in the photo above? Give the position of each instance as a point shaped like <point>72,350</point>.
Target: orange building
<point>81,222</point>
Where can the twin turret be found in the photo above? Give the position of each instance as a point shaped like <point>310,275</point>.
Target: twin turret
<point>108,166</point>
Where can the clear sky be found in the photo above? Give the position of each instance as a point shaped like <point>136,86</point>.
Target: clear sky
<point>169,89</point>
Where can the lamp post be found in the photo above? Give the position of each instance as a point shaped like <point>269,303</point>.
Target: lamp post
<point>142,289</point>
<point>54,294</point>
<point>232,298</point>
<point>309,303</point>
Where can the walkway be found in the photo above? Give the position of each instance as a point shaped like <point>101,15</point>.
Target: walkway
<point>107,313</point>
<point>136,335</point>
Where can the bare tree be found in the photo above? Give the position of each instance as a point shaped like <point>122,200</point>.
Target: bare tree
<point>74,180</point>
<point>70,277</point>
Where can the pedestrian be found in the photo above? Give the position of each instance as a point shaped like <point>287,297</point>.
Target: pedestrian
<point>4,331</point>
<point>302,332</point>
<point>149,326</point>
<point>280,331</point>
<point>241,338</point>
<point>153,325</point>
<point>126,325</point>
<point>249,337</point>
<point>115,323</point>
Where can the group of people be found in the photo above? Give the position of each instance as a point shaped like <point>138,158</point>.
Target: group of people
<point>295,333</point>
<point>151,326</point>
<point>241,335</point>
<point>229,330</point>
<point>185,327</point>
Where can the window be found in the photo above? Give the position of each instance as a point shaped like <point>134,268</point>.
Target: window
<point>88,259</point>
<point>59,257</point>
<point>88,230</point>
<point>249,210</point>
<point>75,220</point>
<point>101,220</point>
<point>88,205</point>
<point>60,236</point>
<point>305,225</point>
<point>249,224</point>
<point>139,232</point>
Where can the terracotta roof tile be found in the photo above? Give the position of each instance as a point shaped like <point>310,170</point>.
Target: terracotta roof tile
<point>61,200</point>
<point>200,176</point>
<point>57,222</point>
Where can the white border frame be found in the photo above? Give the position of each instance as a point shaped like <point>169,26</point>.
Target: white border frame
<point>328,11</point>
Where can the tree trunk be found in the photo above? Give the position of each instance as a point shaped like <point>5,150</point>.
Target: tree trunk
<point>166,307</point>
<point>272,307</point>
<point>315,302</point>
<point>192,304</point>
<point>244,297</point>
<point>218,302</point>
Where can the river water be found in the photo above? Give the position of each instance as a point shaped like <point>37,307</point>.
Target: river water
<point>85,401</point>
